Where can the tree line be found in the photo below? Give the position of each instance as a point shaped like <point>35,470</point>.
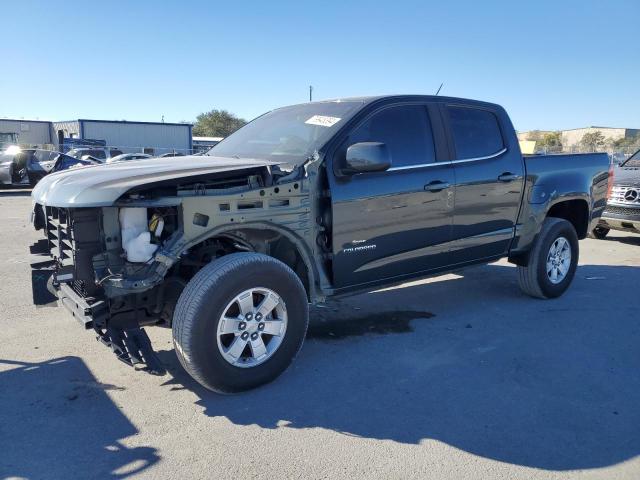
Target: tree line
<point>590,141</point>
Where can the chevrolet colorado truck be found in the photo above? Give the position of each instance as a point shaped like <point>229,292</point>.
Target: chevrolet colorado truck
<point>623,204</point>
<point>303,203</point>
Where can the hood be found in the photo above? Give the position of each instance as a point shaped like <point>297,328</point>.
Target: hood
<point>102,185</point>
<point>627,176</point>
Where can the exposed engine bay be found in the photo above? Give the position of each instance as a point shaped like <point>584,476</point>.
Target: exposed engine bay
<point>136,257</point>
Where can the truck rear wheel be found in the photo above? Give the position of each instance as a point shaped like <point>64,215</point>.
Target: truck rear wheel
<point>552,262</point>
<point>240,322</point>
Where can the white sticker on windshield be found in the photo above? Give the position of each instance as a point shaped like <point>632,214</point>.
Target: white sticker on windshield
<point>323,120</point>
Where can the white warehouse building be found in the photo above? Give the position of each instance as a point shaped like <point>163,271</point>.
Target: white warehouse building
<point>154,138</point>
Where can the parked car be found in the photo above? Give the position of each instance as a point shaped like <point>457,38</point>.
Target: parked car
<point>101,154</point>
<point>307,202</point>
<point>13,167</point>
<point>623,204</point>
<point>617,158</point>
<point>171,154</point>
<point>65,162</point>
<point>29,166</point>
<point>129,156</point>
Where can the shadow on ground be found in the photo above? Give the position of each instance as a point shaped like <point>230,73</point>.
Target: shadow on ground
<point>546,384</point>
<point>56,421</point>
<point>635,240</point>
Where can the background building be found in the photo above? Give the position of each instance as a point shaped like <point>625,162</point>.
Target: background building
<point>154,138</point>
<point>27,133</point>
<point>202,144</point>
<point>571,138</point>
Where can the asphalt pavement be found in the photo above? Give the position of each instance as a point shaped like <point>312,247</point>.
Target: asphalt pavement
<point>457,376</point>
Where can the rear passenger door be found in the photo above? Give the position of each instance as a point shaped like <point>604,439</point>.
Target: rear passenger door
<point>489,176</point>
<point>396,222</point>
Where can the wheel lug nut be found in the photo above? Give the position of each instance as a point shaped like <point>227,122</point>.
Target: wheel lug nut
<point>242,325</point>
<point>261,326</point>
<point>248,316</point>
<point>254,336</point>
<point>258,316</point>
<point>245,335</point>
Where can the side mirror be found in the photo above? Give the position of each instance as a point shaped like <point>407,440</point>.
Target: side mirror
<point>367,157</point>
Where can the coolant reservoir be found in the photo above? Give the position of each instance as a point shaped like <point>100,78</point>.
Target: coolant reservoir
<point>136,239</point>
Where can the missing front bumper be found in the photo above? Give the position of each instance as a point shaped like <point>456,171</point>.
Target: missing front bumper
<point>88,314</point>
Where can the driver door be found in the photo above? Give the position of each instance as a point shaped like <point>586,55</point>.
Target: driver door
<point>399,221</point>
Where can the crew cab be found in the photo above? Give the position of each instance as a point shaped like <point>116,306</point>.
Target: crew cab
<point>623,204</point>
<point>303,203</point>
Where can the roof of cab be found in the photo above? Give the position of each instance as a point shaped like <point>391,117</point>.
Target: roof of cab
<point>406,97</point>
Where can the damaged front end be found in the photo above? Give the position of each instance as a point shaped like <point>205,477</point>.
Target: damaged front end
<point>122,267</point>
<point>76,240</point>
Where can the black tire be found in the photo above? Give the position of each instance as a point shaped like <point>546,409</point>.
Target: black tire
<point>200,308</point>
<point>600,233</point>
<point>533,278</point>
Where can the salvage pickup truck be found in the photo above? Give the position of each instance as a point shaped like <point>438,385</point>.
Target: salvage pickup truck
<point>306,202</point>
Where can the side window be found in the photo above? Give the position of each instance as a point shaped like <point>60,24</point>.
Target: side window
<point>97,154</point>
<point>476,132</point>
<point>405,129</point>
<point>115,153</point>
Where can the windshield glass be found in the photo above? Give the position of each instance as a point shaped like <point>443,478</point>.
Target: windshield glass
<point>289,134</point>
<point>633,160</point>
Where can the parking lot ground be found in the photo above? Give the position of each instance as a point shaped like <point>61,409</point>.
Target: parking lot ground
<point>458,376</point>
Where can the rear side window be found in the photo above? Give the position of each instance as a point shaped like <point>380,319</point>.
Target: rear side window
<point>97,154</point>
<point>115,153</point>
<point>405,129</point>
<point>476,132</point>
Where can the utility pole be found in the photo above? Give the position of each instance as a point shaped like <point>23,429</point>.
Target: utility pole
<point>311,93</point>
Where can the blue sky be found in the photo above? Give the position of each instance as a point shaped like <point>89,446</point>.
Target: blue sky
<point>552,64</point>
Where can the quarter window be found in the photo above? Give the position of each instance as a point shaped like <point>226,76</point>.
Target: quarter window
<point>476,132</point>
<point>405,130</point>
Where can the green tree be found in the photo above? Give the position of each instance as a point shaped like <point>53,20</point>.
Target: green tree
<point>217,123</point>
<point>550,141</point>
<point>593,141</point>
<point>630,143</point>
<point>534,136</point>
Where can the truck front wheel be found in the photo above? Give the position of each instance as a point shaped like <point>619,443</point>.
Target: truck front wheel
<point>552,261</point>
<point>240,322</point>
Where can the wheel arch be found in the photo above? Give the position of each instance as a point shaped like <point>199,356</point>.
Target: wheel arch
<point>273,240</point>
<point>575,211</point>
<point>573,208</point>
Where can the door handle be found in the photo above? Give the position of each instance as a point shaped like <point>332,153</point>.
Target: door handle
<point>507,177</point>
<point>436,186</point>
